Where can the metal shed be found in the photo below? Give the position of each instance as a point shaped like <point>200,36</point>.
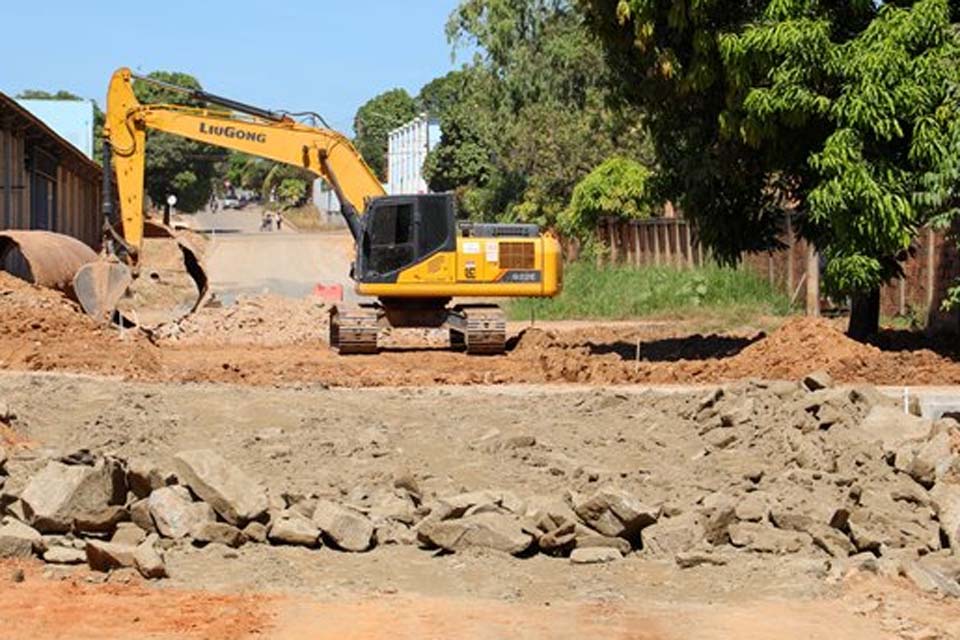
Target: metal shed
<point>45,182</point>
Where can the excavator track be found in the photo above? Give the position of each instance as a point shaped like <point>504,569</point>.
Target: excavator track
<point>480,329</point>
<point>354,330</point>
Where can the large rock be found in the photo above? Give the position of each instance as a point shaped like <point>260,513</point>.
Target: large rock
<point>614,512</point>
<point>64,555</point>
<point>932,459</point>
<point>219,533</point>
<point>175,513</point>
<point>18,540</point>
<point>883,523</point>
<point>670,536</point>
<point>500,532</point>
<point>946,501</point>
<point>493,500</point>
<point>148,560</point>
<point>345,528</point>
<point>595,555</point>
<point>128,533</point>
<point>230,492</point>
<point>140,516</point>
<point>292,528</point>
<point>59,493</point>
<point>144,477</point>
<point>894,428</point>
<point>766,539</point>
<point>101,521</point>
<point>105,556</point>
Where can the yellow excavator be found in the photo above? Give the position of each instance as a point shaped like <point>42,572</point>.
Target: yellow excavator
<point>413,255</point>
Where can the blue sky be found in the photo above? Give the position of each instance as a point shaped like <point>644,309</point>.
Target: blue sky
<point>326,56</point>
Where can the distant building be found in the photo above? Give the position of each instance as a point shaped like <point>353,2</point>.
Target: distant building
<point>407,150</point>
<point>71,119</point>
<point>408,147</point>
<point>46,182</point>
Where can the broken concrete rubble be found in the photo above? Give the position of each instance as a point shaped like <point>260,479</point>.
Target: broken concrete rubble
<point>210,532</point>
<point>18,540</point>
<point>345,528</point>
<point>595,555</point>
<point>231,493</point>
<point>175,513</point>
<point>293,528</point>
<point>60,493</point>
<point>615,513</point>
<point>500,532</point>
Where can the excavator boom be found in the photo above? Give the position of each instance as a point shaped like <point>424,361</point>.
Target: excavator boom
<point>101,285</point>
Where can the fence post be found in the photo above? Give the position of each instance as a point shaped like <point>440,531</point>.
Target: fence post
<point>689,238</point>
<point>931,266</point>
<point>791,254</point>
<point>813,281</point>
<point>655,228</point>
<point>635,226</point>
<point>612,229</point>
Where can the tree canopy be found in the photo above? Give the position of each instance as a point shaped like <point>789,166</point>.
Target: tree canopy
<point>374,122</point>
<point>529,119</point>
<point>842,109</point>
<point>177,165</point>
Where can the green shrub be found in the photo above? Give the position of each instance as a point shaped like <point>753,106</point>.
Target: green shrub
<point>616,188</point>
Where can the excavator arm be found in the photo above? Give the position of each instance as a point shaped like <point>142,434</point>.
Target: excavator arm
<point>250,130</point>
<point>100,286</point>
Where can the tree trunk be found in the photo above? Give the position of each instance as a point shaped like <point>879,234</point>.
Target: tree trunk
<point>864,315</point>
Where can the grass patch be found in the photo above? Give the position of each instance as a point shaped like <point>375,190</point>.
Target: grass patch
<point>309,218</point>
<point>591,293</point>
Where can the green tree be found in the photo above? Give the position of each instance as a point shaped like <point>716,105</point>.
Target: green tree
<point>841,108</point>
<point>531,118</point>
<point>40,94</point>
<point>284,174</point>
<point>292,192</point>
<point>175,164</point>
<point>375,120</point>
<point>617,188</point>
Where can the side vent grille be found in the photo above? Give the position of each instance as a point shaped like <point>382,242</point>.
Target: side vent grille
<point>517,255</point>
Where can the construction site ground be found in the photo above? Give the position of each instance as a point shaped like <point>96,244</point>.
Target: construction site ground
<point>570,408</point>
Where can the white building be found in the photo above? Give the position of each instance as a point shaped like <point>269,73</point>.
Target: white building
<point>408,147</point>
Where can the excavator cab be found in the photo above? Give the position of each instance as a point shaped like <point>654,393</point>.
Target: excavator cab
<point>400,232</point>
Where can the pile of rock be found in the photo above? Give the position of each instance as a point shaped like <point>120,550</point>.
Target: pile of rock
<point>112,513</point>
<point>756,468</point>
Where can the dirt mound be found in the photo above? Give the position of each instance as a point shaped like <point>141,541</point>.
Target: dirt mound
<point>267,320</point>
<point>41,330</point>
<point>270,340</point>
<point>802,344</point>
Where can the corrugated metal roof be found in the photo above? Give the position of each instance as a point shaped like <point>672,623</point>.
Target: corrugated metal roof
<point>12,112</point>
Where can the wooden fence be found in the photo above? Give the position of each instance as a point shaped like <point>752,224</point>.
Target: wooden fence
<point>795,270</point>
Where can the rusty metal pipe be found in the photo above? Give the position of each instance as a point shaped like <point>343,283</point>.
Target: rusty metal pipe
<point>44,258</point>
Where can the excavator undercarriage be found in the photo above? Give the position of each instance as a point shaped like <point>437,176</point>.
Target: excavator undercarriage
<point>477,329</point>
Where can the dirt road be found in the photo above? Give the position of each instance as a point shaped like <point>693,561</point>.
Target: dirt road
<point>241,259</point>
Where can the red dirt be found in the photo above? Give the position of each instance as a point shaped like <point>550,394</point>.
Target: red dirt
<point>42,331</point>
<point>38,608</point>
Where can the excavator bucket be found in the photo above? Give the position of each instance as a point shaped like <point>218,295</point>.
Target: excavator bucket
<point>168,283</point>
<point>100,285</point>
<point>44,258</point>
